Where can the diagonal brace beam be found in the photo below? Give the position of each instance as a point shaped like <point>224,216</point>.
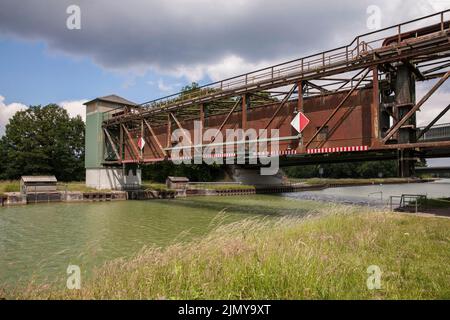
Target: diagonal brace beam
<point>155,138</point>
<point>338,107</point>
<point>432,123</point>
<point>283,102</point>
<point>238,102</point>
<point>416,107</point>
<point>188,139</point>
<point>316,86</point>
<point>133,145</point>
<point>113,145</point>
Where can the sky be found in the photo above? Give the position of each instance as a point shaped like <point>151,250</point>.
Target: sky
<point>146,49</point>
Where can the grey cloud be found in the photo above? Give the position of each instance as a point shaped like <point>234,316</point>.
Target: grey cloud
<point>167,34</point>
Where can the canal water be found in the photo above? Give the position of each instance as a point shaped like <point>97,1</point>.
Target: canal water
<point>41,240</point>
<point>377,195</point>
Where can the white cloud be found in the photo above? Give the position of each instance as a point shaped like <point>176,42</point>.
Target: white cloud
<point>7,111</point>
<point>230,66</point>
<point>185,35</point>
<point>75,108</point>
<point>163,86</point>
<point>198,38</point>
<point>233,65</point>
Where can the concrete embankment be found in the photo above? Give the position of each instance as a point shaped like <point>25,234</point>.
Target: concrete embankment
<point>17,198</point>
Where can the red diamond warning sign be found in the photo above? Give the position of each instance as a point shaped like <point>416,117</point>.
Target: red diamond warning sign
<point>300,122</point>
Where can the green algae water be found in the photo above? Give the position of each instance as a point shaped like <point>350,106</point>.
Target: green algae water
<point>40,241</point>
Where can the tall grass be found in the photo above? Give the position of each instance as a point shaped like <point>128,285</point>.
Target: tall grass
<point>225,187</point>
<point>9,186</point>
<point>14,186</point>
<point>284,258</point>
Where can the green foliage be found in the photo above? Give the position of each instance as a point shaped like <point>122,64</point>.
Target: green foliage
<point>43,140</point>
<point>9,186</point>
<point>2,159</point>
<point>369,169</point>
<point>227,187</point>
<point>194,89</point>
<point>159,171</point>
<point>194,86</point>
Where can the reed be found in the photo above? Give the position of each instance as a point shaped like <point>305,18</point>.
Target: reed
<point>323,256</point>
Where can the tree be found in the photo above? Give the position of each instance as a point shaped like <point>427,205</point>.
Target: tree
<point>2,159</point>
<point>44,140</point>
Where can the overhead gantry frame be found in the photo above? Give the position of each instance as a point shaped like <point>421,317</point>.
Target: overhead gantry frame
<point>371,60</point>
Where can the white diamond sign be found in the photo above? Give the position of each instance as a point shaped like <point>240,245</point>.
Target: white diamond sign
<point>300,122</point>
<point>141,143</point>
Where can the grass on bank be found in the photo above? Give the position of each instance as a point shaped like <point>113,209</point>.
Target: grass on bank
<point>14,186</point>
<point>225,186</point>
<point>9,186</point>
<point>321,257</point>
<point>439,203</point>
<point>77,186</point>
<point>162,186</point>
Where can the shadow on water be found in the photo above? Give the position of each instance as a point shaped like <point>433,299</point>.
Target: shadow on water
<point>264,205</point>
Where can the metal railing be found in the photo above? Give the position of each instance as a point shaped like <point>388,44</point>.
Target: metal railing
<point>361,46</point>
<point>407,201</point>
<point>375,193</point>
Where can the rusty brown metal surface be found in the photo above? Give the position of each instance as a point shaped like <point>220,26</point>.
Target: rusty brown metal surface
<point>413,110</point>
<point>333,113</point>
<point>343,103</point>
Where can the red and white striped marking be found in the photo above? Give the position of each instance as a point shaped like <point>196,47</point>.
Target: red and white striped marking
<point>338,149</point>
<point>231,155</point>
<point>218,155</point>
<point>275,153</point>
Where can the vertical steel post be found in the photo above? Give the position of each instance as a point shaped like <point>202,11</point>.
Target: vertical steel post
<point>375,106</point>
<point>121,143</point>
<point>300,96</point>
<point>142,137</point>
<point>300,109</point>
<point>245,100</point>
<point>202,118</point>
<point>357,47</point>
<point>169,131</point>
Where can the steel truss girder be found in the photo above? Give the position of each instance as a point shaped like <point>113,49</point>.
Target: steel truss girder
<point>413,110</point>
<point>337,108</point>
<point>368,61</point>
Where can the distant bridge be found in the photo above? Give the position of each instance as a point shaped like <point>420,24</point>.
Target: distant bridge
<point>445,170</point>
<point>440,132</point>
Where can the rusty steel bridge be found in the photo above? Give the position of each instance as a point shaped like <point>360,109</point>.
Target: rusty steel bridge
<point>360,99</point>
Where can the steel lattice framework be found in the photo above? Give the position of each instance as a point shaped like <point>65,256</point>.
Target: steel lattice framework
<point>360,97</point>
